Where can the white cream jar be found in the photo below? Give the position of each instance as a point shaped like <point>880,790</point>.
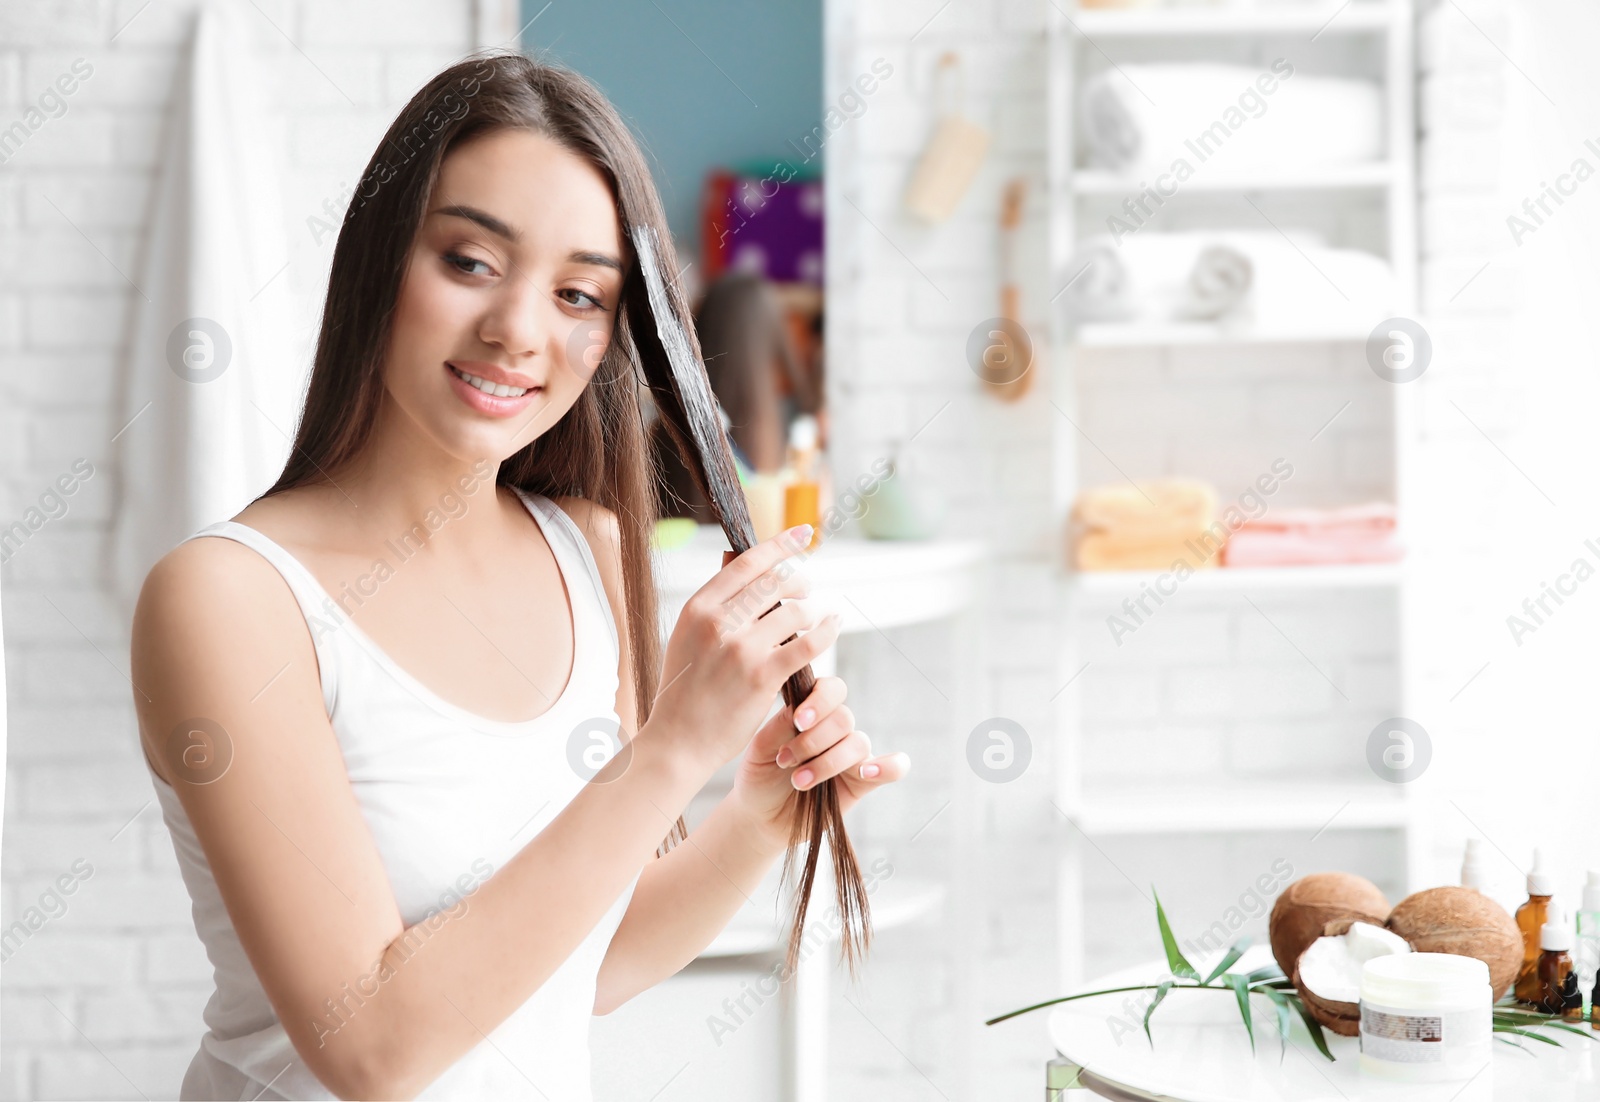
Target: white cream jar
<point>1425,1017</point>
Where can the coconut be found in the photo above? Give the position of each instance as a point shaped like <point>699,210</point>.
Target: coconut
<point>1328,973</point>
<point>1304,909</point>
<point>1465,922</point>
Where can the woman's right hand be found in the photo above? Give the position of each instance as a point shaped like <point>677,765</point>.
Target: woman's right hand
<point>725,661</point>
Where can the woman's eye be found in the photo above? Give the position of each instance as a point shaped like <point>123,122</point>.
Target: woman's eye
<point>581,299</point>
<point>465,264</point>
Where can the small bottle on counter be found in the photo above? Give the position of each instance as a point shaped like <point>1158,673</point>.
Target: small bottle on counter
<point>1472,865</point>
<point>801,491</point>
<point>1572,999</point>
<point>1531,918</point>
<point>1555,964</point>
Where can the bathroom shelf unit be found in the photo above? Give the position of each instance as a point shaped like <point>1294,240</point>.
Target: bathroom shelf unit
<point>1304,805</point>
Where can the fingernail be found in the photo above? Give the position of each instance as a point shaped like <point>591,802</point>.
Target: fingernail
<point>868,771</point>
<point>785,758</point>
<point>802,778</point>
<point>800,533</point>
<point>805,718</point>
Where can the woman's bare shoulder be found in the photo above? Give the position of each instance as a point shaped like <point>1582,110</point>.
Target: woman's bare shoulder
<point>214,622</point>
<point>597,523</point>
<point>213,590</point>
<point>199,570</point>
<point>600,527</point>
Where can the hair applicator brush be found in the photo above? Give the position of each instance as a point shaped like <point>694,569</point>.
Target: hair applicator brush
<point>677,379</point>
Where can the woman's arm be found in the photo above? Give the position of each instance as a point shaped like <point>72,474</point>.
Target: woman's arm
<point>217,635</point>
<point>682,902</point>
<point>684,899</point>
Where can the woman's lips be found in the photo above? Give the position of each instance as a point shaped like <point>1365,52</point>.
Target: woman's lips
<point>489,404</point>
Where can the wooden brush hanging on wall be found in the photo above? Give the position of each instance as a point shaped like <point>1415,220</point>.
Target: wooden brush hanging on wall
<point>1007,361</point>
<point>670,356</point>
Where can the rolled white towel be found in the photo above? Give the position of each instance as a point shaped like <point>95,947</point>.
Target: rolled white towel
<point>1112,129</point>
<point>1219,281</point>
<point>1321,287</point>
<point>1262,279</point>
<point>1139,119</point>
<point>1097,281</point>
<point>1158,277</point>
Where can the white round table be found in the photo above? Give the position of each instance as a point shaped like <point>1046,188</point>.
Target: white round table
<point>1201,1053</point>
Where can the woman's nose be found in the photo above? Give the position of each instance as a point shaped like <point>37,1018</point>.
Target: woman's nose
<point>515,320</point>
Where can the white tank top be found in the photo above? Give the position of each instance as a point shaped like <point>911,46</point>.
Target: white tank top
<point>450,797</point>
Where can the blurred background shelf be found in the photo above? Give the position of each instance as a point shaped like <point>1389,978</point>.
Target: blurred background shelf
<point>874,584</point>
<point>1320,19</point>
<point>1134,335</point>
<point>1332,177</point>
<point>1172,809</point>
<point>1116,584</point>
<point>898,902</point>
<point>1281,761</point>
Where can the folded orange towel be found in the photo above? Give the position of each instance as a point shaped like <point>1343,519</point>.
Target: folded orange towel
<point>1173,506</point>
<point>1117,551</point>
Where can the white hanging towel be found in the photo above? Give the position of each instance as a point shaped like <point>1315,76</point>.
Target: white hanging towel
<point>3,752</point>
<point>211,390</point>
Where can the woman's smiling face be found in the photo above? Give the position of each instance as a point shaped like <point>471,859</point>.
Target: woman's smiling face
<point>509,296</point>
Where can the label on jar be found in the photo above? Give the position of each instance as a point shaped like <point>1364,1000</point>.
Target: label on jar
<point>1421,1036</point>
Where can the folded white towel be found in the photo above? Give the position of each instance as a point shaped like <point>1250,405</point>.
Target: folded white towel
<point>1139,119</point>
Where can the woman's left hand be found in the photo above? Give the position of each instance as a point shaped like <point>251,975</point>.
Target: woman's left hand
<point>779,764</point>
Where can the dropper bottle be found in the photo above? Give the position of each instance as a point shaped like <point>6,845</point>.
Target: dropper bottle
<point>1531,918</point>
<point>1555,964</point>
<point>1587,956</point>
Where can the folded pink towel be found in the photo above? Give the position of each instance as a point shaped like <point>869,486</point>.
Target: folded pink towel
<point>1375,516</point>
<point>1247,547</point>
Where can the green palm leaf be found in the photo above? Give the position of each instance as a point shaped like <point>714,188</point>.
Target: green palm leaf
<point>1313,1027</point>
<point>1266,973</point>
<point>1176,963</point>
<point>1280,1002</point>
<point>1161,993</point>
<point>1241,991</point>
<point>1226,962</point>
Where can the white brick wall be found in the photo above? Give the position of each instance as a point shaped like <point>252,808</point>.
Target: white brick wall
<point>105,1001</point>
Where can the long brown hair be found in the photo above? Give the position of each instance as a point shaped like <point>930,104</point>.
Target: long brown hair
<point>598,449</point>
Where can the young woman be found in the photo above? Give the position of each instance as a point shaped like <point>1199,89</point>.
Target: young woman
<point>374,709</point>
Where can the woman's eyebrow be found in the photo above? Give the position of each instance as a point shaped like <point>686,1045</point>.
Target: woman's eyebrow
<point>482,218</point>
<point>501,229</point>
<point>604,260</point>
